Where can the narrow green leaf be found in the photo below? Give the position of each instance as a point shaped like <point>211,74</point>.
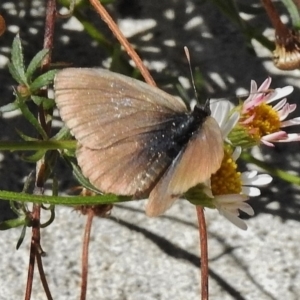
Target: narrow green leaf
<point>83,180</point>
<point>8,107</point>
<point>25,137</point>
<point>17,60</point>
<point>36,63</point>
<point>14,73</point>
<point>21,221</point>
<point>31,118</point>
<point>21,238</point>
<point>43,80</point>
<point>35,157</point>
<point>293,11</point>
<point>63,134</point>
<point>45,102</point>
<point>77,200</point>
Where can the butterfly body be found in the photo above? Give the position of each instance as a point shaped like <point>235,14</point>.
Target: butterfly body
<point>135,139</point>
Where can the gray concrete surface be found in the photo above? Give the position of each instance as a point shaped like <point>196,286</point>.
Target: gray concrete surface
<point>131,256</point>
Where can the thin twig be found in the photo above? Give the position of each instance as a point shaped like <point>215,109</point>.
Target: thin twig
<point>85,253</point>
<point>39,262</point>
<point>203,253</point>
<point>123,41</point>
<point>34,240</point>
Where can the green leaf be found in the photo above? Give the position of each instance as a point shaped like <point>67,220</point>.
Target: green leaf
<point>35,157</point>
<point>25,137</point>
<point>78,200</point>
<point>63,134</point>
<point>43,80</point>
<point>20,221</point>
<point>17,62</point>
<point>293,11</point>
<point>21,238</point>
<point>14,73</point>
<point>45,102</point>
<point>83,180</point>
<point>30,117</point>
<point>36,62</point>
<point>8,107</point>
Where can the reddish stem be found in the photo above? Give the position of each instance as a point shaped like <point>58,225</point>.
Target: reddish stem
<point>85,253</point>
<point>203,252</point>
<point>35,239</point>
<point>123,41</point>
<point>280,28</point>
<point>35,248</point>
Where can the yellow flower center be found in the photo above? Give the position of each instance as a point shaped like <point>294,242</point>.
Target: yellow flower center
<point>227,180</point>
<point>266,121</point>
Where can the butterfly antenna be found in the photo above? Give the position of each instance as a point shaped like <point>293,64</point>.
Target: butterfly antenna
<point>187,54</point>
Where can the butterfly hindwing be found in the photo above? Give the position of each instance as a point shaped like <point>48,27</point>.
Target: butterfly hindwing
<point>201,157</point>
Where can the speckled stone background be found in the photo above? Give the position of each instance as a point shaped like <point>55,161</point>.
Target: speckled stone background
<point>131,256</point>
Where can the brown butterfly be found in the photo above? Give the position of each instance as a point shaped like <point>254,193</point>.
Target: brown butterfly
<point>135,139</point>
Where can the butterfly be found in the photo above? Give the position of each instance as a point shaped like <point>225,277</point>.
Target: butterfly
<point>135,139</point>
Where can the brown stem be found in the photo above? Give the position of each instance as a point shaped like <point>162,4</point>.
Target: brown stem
<point>123,41</point>
<point>35,238</point>
<point>48,44</point>
<point>280,28</point>
<point>203,252</point>
<point>39,262</point>
<point>40,167</point>
<point>85,253</point>
<point>49,32</point>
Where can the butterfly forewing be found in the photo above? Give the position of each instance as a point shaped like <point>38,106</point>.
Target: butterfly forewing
<point>119,124</point>
<point>101,109</point>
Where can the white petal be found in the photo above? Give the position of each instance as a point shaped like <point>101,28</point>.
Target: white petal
<point>292,137</point>
<point>281,93</point>
<point>251,191</point>
<point>251,178</point>
<point>247,177</point>
<point>234,220</point>
<point>246,208</point>
<point>295,121</point>
<point>229,199</point>
<point>230,124</point>
<point>236,153</point>
<point>262,179</point>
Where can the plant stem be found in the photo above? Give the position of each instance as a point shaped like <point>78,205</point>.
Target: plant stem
<point>41,165</point>
<point>203,252</point>
<point>280,28</point>
<point>35,216</point>
<point>123,41</point>
<point>37,145</point>
<point>85,253</point>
